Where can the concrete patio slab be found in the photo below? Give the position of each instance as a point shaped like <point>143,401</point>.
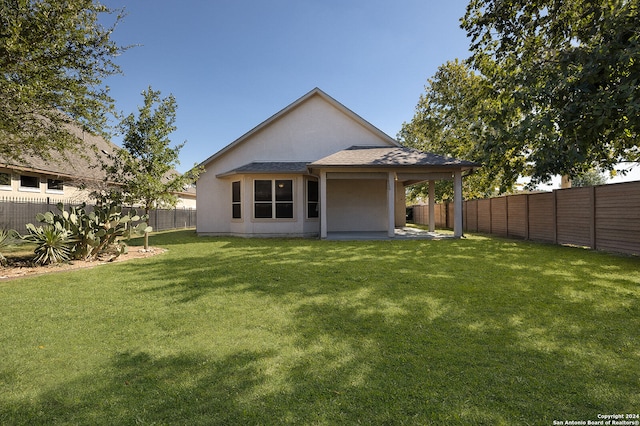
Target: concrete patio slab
<point>405,233</point>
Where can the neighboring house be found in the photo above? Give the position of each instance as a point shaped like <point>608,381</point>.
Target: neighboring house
<point>312,169</point>
<point>66,178</point>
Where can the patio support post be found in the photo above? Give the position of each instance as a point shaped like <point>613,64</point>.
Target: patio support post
<point>323,204</point>
<point>457,204</point>
<point>391,204</point>
<point>432,206</point>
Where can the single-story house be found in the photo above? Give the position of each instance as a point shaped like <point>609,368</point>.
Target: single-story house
<point>313,169</point>
<point>67,178</point>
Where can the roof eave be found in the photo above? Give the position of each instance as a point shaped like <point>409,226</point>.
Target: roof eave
<point>452,167</point>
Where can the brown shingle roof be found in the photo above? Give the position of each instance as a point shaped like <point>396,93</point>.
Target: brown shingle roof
<point>269,167</point>
<point>82,164</point>
<point>363,156</point>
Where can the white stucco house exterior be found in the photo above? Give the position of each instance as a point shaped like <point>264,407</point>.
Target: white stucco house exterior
<point>313,169</point>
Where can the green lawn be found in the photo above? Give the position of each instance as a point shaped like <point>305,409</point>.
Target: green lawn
<point>251,331</point>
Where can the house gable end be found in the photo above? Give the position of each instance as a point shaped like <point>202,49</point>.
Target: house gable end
<point>310,128</point>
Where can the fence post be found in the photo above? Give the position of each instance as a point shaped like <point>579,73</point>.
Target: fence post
<point>526,216</point>
<point>555,216</point>
<point>490,215</point>
<point>592,222</point>
<point>506,214</point>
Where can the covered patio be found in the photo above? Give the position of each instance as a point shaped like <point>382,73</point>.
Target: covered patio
<point>403,233</point>
<point>361,190</point>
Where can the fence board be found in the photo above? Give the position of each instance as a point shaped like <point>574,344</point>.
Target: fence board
<point>499,216</point>
<point>471,215</point>
<point>517,220</point>
<point>542,217</point>
<point>617,213</point>
<point>484,216</point>
<point>574,216</point>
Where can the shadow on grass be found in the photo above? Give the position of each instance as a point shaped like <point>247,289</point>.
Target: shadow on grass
<point>471,331</point>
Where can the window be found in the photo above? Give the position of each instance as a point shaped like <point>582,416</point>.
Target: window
<point>5,180</point>
<point>30,182</point>
<point>312,199</point>
<point>273,199</point>
<point>236,204</point>
<point>55,185</point>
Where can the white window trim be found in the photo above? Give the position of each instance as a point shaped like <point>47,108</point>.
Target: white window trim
<point>7,187</point>
<point>30,188</point>
<point>273,217</point>
<point>306,200</point>
<point>241,203</point>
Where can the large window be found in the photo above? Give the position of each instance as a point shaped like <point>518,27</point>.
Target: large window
<point>5,180</point>
<point>312,199</point>
<point>30,182</point>
<point>273,199</point>
<point>236,203</point>
<point>55,185</point>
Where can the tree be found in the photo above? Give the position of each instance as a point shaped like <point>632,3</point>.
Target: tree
<point>452,118</point>
<point>572,70</point>
<point>590,178</point>
<point>54,56</point>
<point>142,172</point>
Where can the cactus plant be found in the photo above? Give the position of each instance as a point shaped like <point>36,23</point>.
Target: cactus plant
<point>93,233</point>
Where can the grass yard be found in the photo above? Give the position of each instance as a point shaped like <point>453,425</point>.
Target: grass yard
<point>250,331</point>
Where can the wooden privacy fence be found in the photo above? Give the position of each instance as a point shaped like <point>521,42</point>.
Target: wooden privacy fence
<point>605,217</point>
<point>16,213</point>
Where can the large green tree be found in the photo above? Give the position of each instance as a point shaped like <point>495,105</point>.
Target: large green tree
<point>143,171</point>
<point>453,118</point>
<point>54,56</point>
<point>572,71</point>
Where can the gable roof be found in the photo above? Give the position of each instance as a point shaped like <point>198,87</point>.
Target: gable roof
<point>269,167</point>
<point>315,92</point>
<point>81,164</point>
<point>359,156</point>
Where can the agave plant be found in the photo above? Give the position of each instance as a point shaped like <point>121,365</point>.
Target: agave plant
<point>8,238</point>
<point>53,243</point>
<point>93,233</point>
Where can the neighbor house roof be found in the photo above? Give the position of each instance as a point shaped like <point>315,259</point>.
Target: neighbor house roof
<point>292,106</point>
<point>363,156</point>
<point>81,165</point>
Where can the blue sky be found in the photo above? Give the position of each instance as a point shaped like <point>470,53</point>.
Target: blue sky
<point>231,64</point>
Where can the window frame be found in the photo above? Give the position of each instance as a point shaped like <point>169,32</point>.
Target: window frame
<point>6,186</point>
<point>25,188</point>
<point>236,203</point>
<point>277,199</point>
<point>53,182</point>
<point>309,204</point>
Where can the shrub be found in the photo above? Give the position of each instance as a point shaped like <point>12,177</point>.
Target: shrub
<point>8,238</point>
<point>53,243</point>
<point>92,234</point>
